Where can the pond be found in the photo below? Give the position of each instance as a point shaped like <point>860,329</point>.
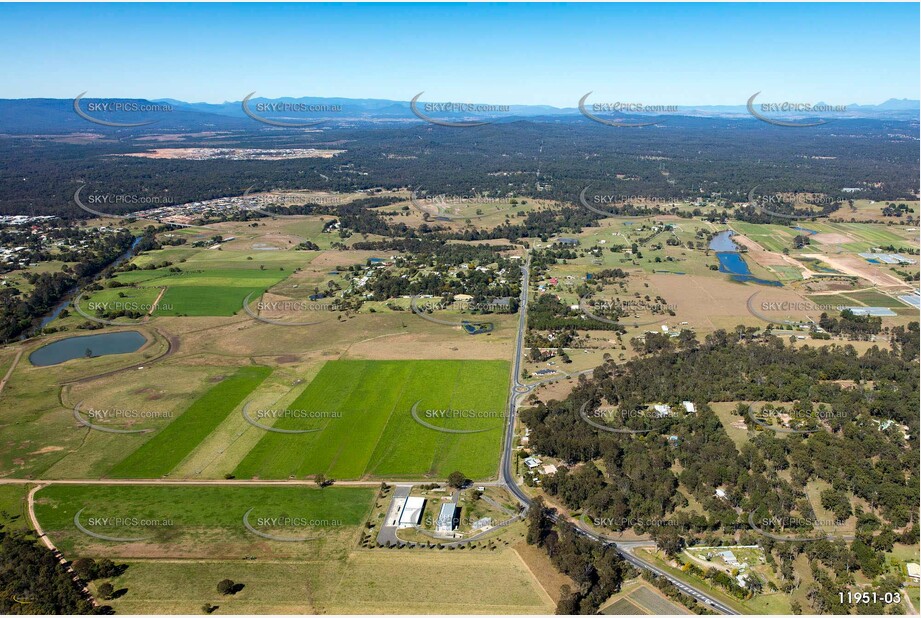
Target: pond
<point>723,242</point>
<point>89,345</point>
<point>733,264</point>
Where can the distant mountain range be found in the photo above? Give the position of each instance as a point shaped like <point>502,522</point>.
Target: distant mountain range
<point>385,108</point>
<point>58,115</point>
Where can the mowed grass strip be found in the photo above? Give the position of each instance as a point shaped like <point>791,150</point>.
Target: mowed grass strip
<point>369,431</point>
<point>168,447</point>
<point>205,506</point>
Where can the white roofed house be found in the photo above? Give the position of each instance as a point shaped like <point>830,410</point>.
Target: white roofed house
<point>728,557</point>
<point>688,406</point>
<point>447,521</point>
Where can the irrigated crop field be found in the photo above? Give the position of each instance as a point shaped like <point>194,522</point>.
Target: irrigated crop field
<point>366,427</point>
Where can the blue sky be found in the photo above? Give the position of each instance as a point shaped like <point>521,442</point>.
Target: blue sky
<point>499,53</point>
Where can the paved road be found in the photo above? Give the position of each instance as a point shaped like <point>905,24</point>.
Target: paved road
<point>508,476</point>
<point>388,531</point>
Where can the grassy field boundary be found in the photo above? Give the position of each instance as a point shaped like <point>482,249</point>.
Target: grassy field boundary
<point>163,452</point>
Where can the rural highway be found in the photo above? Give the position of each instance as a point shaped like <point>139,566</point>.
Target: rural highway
<point>508,477</point>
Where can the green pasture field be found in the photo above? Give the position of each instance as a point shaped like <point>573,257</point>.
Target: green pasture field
<point>210,282</point>
<point>167,448</point>
<point>210,300</point>
<point>175,515</point>
<point>366,427</point>
<point>13,507</point>
<point>878,234</point>
<point>872,298</point>
<point>770,236</point>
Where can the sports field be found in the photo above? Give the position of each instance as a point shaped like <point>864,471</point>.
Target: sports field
<point>167,448</point>
<point>366,427</point>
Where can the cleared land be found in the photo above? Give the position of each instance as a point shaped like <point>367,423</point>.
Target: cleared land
<point>377,581</point>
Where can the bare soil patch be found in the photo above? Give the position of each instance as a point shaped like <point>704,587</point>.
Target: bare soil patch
<point>830,238</point>
<point>860,268</point>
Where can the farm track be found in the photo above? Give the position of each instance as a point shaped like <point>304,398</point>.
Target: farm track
<point>47,542</point>
<point>9,371</point>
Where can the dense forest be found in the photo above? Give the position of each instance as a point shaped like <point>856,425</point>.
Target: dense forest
<point>866,446</point>
<point>33,581</point>
<point>597,570</point>
<point>683,158</point>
